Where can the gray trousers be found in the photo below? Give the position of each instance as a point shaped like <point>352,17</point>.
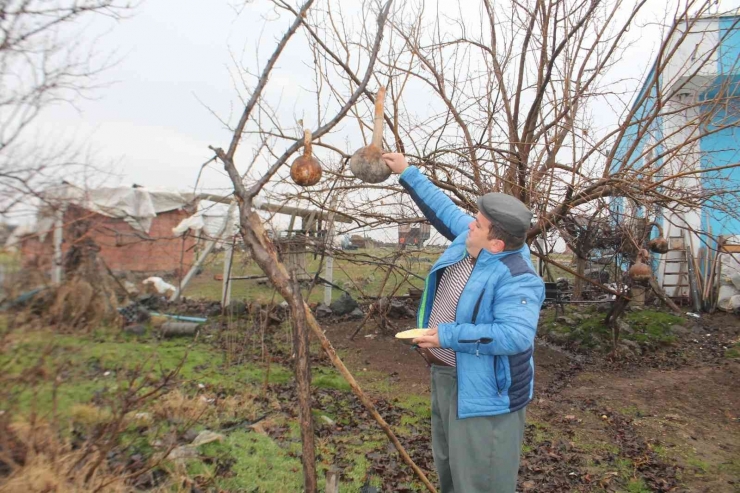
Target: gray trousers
<point>472,454</point>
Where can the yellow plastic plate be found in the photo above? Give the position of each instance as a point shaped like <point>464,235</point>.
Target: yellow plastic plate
<point>408,336</point>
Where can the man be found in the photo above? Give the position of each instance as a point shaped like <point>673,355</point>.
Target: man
<point>481,303</point>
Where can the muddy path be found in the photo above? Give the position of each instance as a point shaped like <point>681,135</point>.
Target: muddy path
<point>669,421</point>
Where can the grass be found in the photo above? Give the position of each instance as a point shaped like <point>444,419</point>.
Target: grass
<point>355,277</point>
<point>637,486</point>
<point>329,378</point>
<point>95,366</point>
<point>85,361</point>
<point>700,466</point>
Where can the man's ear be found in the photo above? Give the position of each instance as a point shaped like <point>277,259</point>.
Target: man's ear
<point>496,246</point>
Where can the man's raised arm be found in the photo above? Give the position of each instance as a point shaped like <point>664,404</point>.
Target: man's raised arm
<point>437,207</point>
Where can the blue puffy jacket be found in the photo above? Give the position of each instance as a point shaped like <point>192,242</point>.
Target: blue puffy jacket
<point>496,319</point>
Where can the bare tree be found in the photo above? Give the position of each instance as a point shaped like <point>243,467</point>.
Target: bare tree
<point>513,102</point>
<point>516,103</point>
<point>43,63</point>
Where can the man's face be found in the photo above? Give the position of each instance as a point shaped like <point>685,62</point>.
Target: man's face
<point>478,237</point>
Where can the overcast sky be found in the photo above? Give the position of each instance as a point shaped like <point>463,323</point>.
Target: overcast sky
<point>152,125</point>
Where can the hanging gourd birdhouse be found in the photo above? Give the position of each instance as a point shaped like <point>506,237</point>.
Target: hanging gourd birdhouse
<point>306,170</point>
<point>659,244</point>
<point>367,163</point>
<point>640,272</point>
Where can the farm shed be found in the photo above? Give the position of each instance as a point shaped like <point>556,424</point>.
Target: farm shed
<point>132,226</point>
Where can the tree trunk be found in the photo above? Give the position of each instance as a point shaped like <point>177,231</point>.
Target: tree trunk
<point>303,387</point>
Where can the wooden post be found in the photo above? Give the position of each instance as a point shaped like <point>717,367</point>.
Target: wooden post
<point>56,266</point>
<point>578,281</point>
<point>693,283</point>
<point>332,480</point>
<point>228,260</point>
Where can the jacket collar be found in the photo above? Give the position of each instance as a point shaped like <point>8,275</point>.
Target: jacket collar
<point>486,257</point>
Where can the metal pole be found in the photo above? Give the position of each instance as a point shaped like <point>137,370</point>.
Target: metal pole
<point>211,243</point>
<point>329,242</point>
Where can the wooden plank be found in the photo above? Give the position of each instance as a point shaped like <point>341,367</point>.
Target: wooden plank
<point>278,208</point>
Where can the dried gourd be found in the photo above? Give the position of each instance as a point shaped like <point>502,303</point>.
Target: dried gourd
<point>640,272</point>
<point>306,170</point>
<point>367,163</point>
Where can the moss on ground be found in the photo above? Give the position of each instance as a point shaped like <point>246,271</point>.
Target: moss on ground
<point>588,330</point>
<point>250,460</point>
<point>733,351</point>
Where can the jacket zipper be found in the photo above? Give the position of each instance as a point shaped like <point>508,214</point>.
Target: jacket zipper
<point>495,377</point>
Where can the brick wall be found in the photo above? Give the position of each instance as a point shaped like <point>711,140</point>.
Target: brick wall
<point>122,247</point>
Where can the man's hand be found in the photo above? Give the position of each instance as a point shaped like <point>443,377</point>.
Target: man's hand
<point>430,339</point>
<point>396,162</point>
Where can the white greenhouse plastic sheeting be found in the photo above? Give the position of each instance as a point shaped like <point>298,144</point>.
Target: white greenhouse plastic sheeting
<point>728,298</point>
<point>137,206</point>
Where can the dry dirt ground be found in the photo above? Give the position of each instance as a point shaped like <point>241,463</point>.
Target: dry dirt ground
<point>666,421</point>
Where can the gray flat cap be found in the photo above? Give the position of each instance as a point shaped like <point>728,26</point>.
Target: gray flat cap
<point>506,212</point>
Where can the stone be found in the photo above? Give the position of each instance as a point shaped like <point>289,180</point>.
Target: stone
<point>397,309</point>
<point>136,329</point>
<point>182,453</point>
<point>328,420</point>
<point>625,351</point>
<point>131,288</point>
<point>143,418</point>
<point>190,435</point>
<point>357,313</point>
<point>679,330</point>
<point>624,327</point>
<point>344,305</point>
<point>603,307</point>
<point>562,319</point>
<point>633,346</point>
<point>558,337</point>
<point>214,310</point>
<point>207,436</point>
<point>697,329</point>
<point>323,311</point>
<point>237,308</point>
